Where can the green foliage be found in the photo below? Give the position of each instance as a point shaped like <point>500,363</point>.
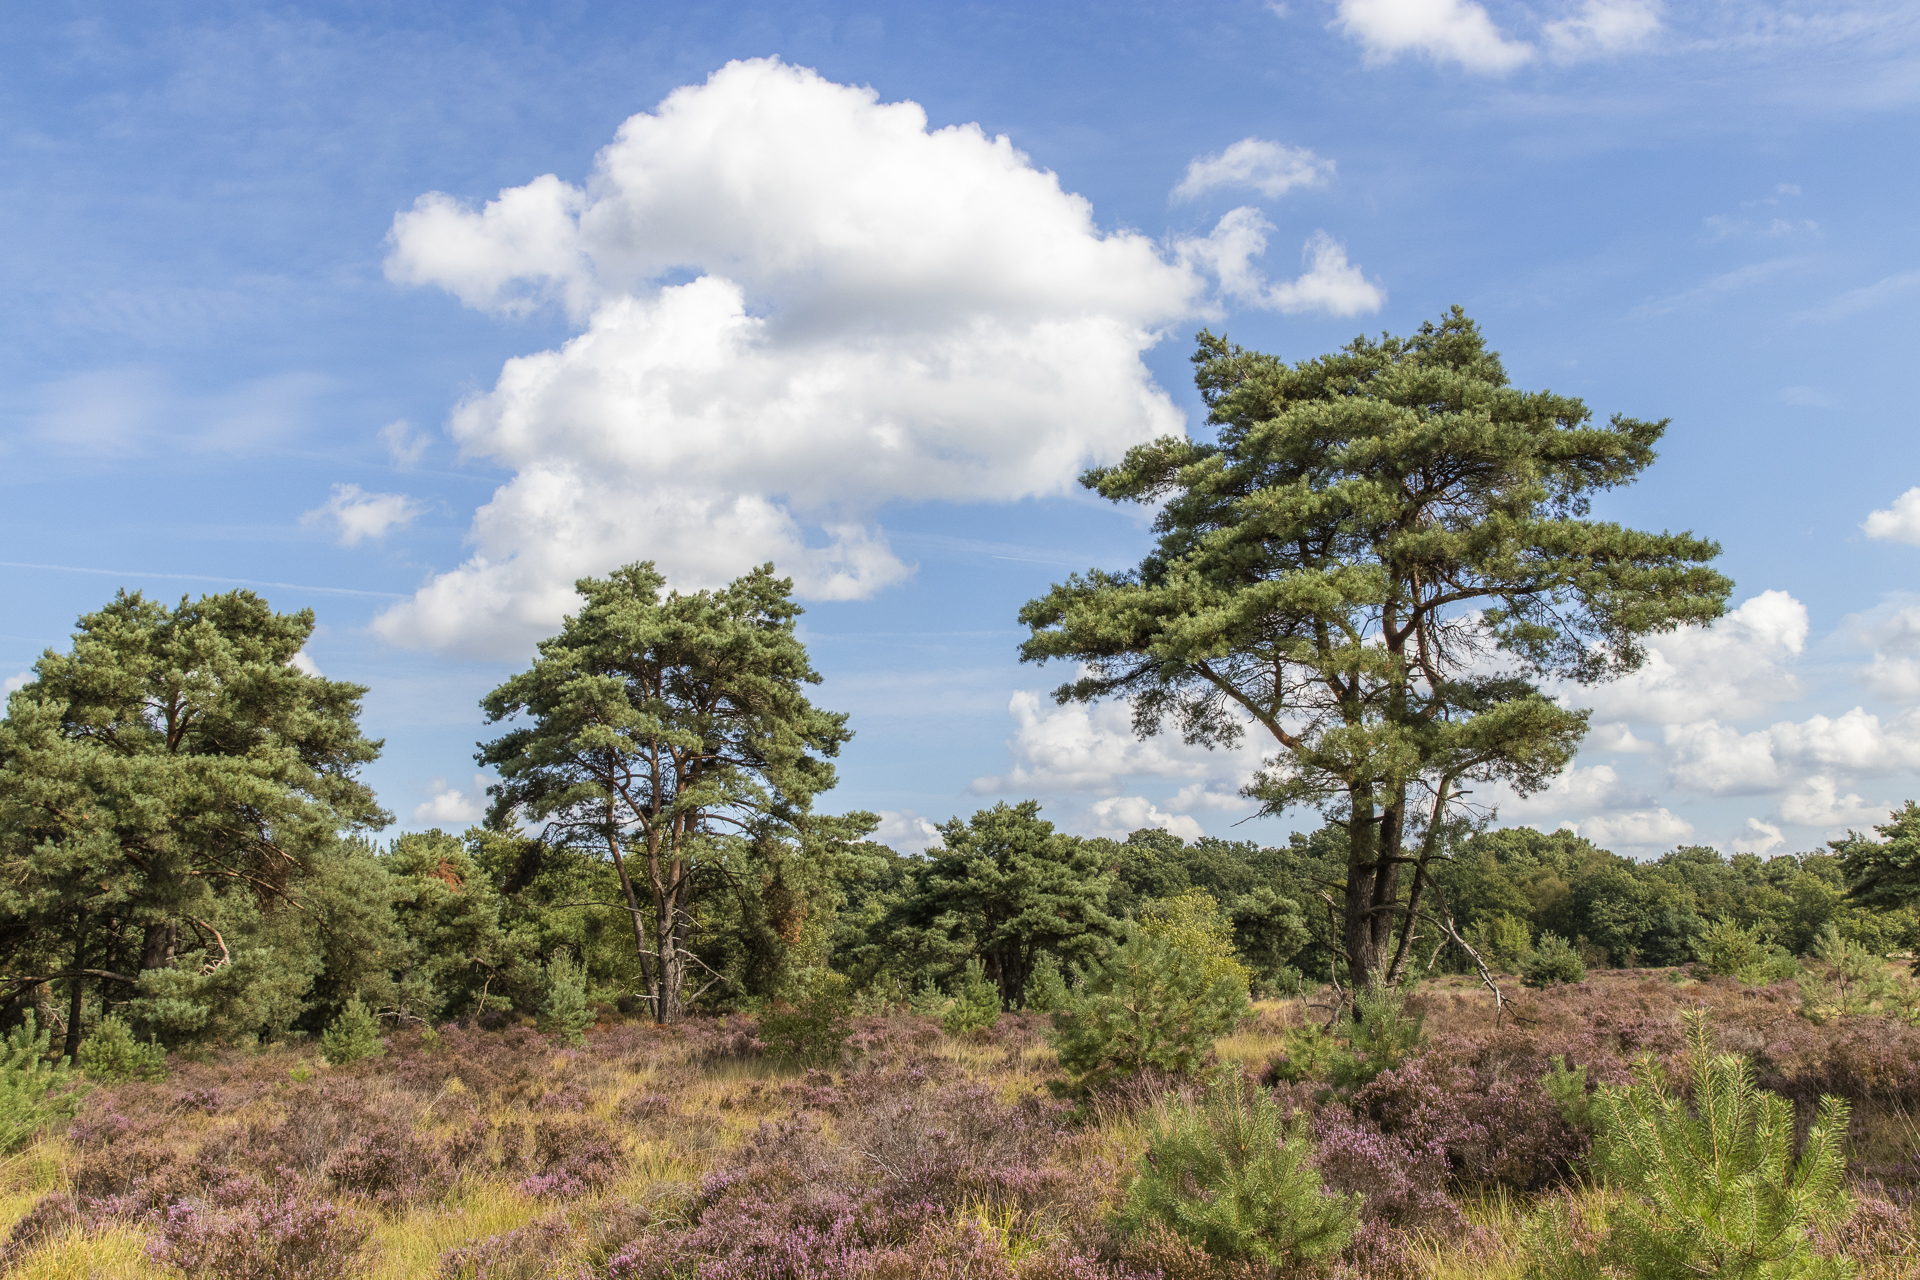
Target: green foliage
<point>655,721</point>
<point>1505,940</point>
<point>1710,1188</point>
<point>1568,1090</point>
<point>1379,1038</point>
<point>1192,923</point>
<point>976,1002</point>
<point>1747,954</point>
<point>112,1053</point>
<point>812,1029</point>
<point>1232,1177</point>
<point>1046,988</point>
<point>1884,872</point>
<point>1554,961</point>
<point>565,1009</point>
<point>354,1035</point>
<point>1148,1005</point>
<point>1330,564</point>
<point>171,775</point>
<point>1307,1052</point>
<point>34,1092</point>
<point>1850,980</point>
<point>1005,887</point>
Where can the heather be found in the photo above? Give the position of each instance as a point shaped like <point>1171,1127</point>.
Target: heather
<point>696,1149</point>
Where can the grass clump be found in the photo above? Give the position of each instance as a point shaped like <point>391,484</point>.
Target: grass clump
<point>1229,1175</point>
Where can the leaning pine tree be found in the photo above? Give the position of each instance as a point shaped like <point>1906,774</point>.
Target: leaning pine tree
<point>670,733</point>
<point>1336,571</point>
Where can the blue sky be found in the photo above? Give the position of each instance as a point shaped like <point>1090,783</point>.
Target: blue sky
<point>414,313</point>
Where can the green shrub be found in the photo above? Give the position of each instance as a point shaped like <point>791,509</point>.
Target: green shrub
<point>811,1030</point>
<point>112,1053</point>
<point>1504,940</point>
<point>1747,954</point>
<point>1568,1090</point>
<point>34,1091</point>
<point>976,1004</point>
<point>1046,986</point>
<point>1380,1039</point>
<point>1150,1004</point>
<point>1554,961</point>
<point>354,1035</point>
<point>1307,1052</point>
<point>1853,980</point>
<point>1710,1189</point>
<point>565,1008</point>
<point>1193,923</point>
<point>1230,1176</point>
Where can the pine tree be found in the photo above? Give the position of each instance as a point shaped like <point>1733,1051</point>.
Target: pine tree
<point>1707,1189</point>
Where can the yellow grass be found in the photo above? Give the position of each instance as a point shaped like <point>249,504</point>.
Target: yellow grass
<point>117,1252</point>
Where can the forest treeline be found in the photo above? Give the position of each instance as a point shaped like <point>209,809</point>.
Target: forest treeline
<point>232,885</point>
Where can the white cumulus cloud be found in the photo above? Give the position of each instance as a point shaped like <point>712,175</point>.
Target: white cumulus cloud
<point>1119,816</point>
<point>1092,747</point>
<point>1445,30</point>
<point>12,683</point>
<point>797,304</point>
<point>1636,829</point>
<point>446,807</point>
<point>1330,283</point>
<point>1898,523</point>
<point>1758,837</point>
<point>357,516</point>
<point>905,831</point>
<point>1734,668</point>
<point>304,664</point>
<point>1270,168</point>
<point>1817,802</point>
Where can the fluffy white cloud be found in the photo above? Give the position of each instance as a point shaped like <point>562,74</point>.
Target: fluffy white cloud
<point>1898,523</point>
<point>1857,741</point>
<point>12,683</point>
<point>1616,737</point>
<point>1734,668</point>
<point>1119,816</point>
<point>1817,802</point>
<point>1638,829</point>
<point>1445,30</point>
<point>450,808</point>
<point>1758,837</point>
<point>1207,795</point>
<point>1330,283</point>
<point>305,665</point>
<point>1712,757</point>
<point>1583,789</point>
<point>1270,168</point>
<point>1603,27</point>
<point>1091,747</point>
<point>357,516</point>
<point>905,831</point>
<point>799,303</point>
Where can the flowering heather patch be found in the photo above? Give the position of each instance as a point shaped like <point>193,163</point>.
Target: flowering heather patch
<point>248,1231</point>
<point>655,1152</point>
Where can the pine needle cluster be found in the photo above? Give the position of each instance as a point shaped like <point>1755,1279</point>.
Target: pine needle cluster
<point>1702,1187</point>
